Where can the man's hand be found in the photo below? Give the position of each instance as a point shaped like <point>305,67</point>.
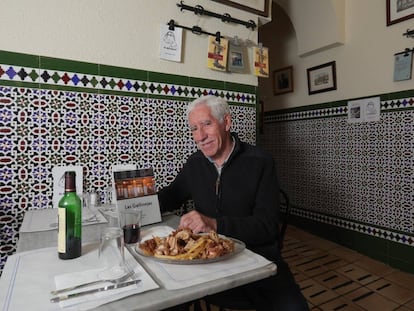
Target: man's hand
<point>197,222</point>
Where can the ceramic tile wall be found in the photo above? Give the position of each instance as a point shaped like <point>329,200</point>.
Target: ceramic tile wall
<point>59,112</point>
<point>356,179</point>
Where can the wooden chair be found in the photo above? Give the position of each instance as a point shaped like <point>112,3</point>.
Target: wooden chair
<point>229,301</point>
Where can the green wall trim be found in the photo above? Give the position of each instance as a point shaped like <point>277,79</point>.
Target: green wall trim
<point>390,102</point>
<point>112,71</point>
<point>20,59</point>
<point>68,65</point>
<point>24,70</point>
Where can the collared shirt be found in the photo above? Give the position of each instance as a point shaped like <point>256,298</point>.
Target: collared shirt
<point>228,156</point>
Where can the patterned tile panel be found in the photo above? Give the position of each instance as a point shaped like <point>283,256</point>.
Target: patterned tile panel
<point>355,176</point>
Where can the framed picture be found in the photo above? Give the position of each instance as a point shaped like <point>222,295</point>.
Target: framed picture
<point>283,80</point>
<point>322,78</point>
<point>259,7</point>
<point>236,58</point>
<point>398,11</point>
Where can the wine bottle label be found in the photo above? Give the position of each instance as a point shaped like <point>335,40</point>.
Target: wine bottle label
<point>61,230</point>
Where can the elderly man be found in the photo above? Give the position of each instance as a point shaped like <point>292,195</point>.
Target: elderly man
<point>236,193</point>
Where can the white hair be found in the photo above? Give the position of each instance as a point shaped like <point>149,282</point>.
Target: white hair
<point>218,106</point>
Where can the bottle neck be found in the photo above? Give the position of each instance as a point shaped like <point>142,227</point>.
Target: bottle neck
<point>70,182</point>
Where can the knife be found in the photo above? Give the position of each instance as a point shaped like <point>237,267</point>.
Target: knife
<point>95,290</point>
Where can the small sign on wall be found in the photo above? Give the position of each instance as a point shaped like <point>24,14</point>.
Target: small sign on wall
<point>364,110</point>
<point>402,65</point>
<point>170,43</point>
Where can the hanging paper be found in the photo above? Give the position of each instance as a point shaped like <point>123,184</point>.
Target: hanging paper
<point>170,43</point>
<point>261,61</point>
<point>236,57</point>
<point>402,65</point>
<point>217,53</point>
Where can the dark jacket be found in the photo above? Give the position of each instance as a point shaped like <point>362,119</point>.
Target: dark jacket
<point>244,198</point>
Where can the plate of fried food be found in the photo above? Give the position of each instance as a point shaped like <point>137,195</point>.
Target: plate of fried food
<point>182,246</point>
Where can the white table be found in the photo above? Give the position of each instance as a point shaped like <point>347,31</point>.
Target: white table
<point>160,298</point>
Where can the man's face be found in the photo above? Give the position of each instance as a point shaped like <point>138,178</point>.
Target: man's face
<point>208,133</point>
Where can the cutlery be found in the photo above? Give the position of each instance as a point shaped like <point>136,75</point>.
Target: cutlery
<point>95,290</point>
<point>115,281</point>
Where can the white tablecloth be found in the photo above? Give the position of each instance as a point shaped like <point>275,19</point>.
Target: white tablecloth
<point>28,278</point>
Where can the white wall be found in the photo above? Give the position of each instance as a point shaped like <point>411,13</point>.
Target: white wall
<point>364,63</point>
<point>120,33</point>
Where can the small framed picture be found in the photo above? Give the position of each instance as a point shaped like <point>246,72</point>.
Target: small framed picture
<point>398,11</point>
<point>283,80</point>
<point>236,58</point>
<point>322,78</point>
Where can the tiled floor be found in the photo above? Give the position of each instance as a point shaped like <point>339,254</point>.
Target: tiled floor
<point>333,277</point>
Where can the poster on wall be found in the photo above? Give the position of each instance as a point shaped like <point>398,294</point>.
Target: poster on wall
<point>261,61</point>
<point>217,53</point>
<point>170,43</point>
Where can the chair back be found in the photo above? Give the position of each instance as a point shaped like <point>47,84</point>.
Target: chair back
<point>285,206</point>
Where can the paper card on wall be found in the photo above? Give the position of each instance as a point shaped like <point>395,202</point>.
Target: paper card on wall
<point>403,65</point>
<point>170,43</point>
<point>58,173</point>
<point>135,189</point>
<point>217,53</point>
<point>364,110</point>
<point>261,61</point>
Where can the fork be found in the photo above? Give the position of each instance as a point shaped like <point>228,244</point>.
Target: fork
<point>114,281</point>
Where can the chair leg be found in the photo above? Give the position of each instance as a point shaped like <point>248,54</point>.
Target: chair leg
<point>197,306</point>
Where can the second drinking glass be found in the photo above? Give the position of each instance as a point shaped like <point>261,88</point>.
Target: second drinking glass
<point>130,222</point>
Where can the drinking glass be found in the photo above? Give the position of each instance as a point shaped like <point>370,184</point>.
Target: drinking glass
<point>130,222</point>
<point>111,253</point>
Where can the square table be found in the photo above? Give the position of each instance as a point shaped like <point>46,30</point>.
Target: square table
<point>155,299</point>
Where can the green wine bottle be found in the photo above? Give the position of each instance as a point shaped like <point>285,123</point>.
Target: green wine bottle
<point>70,220</point>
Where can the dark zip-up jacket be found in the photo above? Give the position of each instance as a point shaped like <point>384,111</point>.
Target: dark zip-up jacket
<point>244,198</point>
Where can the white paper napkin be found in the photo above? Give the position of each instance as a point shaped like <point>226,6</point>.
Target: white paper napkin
<point>94,300</point>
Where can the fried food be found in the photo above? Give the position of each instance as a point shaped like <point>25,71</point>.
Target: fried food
<point>183,244</point>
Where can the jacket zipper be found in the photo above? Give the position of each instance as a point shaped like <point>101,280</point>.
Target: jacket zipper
<point>218,192</point>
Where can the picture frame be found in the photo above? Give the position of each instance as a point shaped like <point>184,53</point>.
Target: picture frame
<point>259,7</point>
<point>236,58</point>
<point>283,80</point>
<point>322,78</point>
<point>398,11</point>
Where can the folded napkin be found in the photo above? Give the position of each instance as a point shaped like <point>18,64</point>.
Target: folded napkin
<point>94,300</point>
<point>176,276</point>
